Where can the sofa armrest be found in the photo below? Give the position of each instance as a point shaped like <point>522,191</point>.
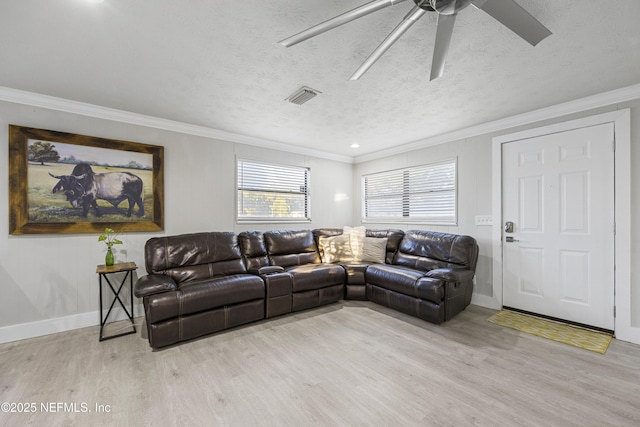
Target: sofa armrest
<point>267,269</point>
<point>154,284</point>
<point>451,275</point>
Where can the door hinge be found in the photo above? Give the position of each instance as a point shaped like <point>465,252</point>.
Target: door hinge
<point>614,311</point>
<point>614,145</point>
<point>614,228</point>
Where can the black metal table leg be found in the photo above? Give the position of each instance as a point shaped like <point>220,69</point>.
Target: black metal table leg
<point>103,272</point>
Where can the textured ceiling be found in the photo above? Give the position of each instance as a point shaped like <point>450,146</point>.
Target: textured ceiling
<point>217,64</point>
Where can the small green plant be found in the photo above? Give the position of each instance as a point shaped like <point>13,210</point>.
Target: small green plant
<point>109,237</point>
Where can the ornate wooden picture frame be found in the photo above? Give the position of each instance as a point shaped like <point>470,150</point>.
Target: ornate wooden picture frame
<point>67,183</point>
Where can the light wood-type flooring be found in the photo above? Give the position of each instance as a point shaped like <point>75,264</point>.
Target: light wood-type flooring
<point>347,364</point>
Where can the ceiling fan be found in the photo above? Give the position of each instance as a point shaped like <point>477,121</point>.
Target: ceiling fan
<point>507,12</point>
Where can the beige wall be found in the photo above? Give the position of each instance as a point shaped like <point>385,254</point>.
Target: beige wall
<point>51,279</point>
<point>49,282</point>
<point>475,191</point>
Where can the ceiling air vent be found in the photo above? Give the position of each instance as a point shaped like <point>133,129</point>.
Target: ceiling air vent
<point>302,95</point>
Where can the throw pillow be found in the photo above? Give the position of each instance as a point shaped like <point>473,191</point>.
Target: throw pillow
<point>356,236</point>
<point>374,249</point>
<point>336,249</point>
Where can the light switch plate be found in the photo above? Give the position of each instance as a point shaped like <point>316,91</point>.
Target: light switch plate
<point>484,220</point>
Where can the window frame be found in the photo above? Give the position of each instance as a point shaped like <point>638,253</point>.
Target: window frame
<point>240,219</point>
<point>405,194</point>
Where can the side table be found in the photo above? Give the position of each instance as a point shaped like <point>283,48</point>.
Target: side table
<point>103,273</point>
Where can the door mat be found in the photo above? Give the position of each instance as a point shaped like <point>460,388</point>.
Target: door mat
<point>556,331</point>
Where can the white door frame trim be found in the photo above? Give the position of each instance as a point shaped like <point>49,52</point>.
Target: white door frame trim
<point>622,128</point>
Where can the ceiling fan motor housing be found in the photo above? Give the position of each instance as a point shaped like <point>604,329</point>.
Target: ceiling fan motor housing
<point>424,4</point>
<point>448,7</point>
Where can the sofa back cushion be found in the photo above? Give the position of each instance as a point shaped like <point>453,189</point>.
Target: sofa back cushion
<point>287,248</point>
<point>198,256</point>
<point>428,250</point>
<point>254,251</point>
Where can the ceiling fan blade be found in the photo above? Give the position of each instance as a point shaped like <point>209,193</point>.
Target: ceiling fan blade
<point>332,23</point>
<point>406,23</point>
<point>443,40</point>
<point>513,16</point>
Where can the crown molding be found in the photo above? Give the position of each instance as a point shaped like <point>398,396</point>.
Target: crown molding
<point>17,96</point>
<point>604,99</point>
<point>90,110</point>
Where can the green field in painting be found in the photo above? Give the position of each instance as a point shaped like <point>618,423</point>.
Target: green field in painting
<point>46,207</point>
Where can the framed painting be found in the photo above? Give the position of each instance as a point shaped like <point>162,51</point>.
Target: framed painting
<point>67,183</point>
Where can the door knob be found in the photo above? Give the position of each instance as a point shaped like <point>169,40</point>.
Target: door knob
<point>508,227</point>
<point>510,239</point>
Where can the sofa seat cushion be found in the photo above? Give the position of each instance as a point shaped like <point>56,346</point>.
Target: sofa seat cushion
<point>205,295</point>
<point>315,276</point>
<point>405,281</point>
<point>220,292</point>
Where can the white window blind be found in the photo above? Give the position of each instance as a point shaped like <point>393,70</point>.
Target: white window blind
<point>272,192</point>
<point>424,193</point>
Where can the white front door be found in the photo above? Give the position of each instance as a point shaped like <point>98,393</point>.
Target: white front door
<point>558,254</point>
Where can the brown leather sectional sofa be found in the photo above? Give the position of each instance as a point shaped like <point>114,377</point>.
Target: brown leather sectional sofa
<point>202,283</point>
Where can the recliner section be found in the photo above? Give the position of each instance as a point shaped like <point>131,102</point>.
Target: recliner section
<point>197,284</point>
<point>431,276</point>
<point>202,283</point>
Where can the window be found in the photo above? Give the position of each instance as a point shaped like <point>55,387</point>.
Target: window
<point>420,194</point>
<point>271,192</point>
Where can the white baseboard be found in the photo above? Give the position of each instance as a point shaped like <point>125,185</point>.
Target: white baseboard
<point>629,334</point>
<point>486,301</point>
<point>84,320</point>
<point>61,324</point>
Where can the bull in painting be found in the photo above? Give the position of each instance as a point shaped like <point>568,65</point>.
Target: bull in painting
<point>84,187</point>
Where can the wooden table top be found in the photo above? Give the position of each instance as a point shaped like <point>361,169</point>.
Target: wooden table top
<point>117,267</point>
